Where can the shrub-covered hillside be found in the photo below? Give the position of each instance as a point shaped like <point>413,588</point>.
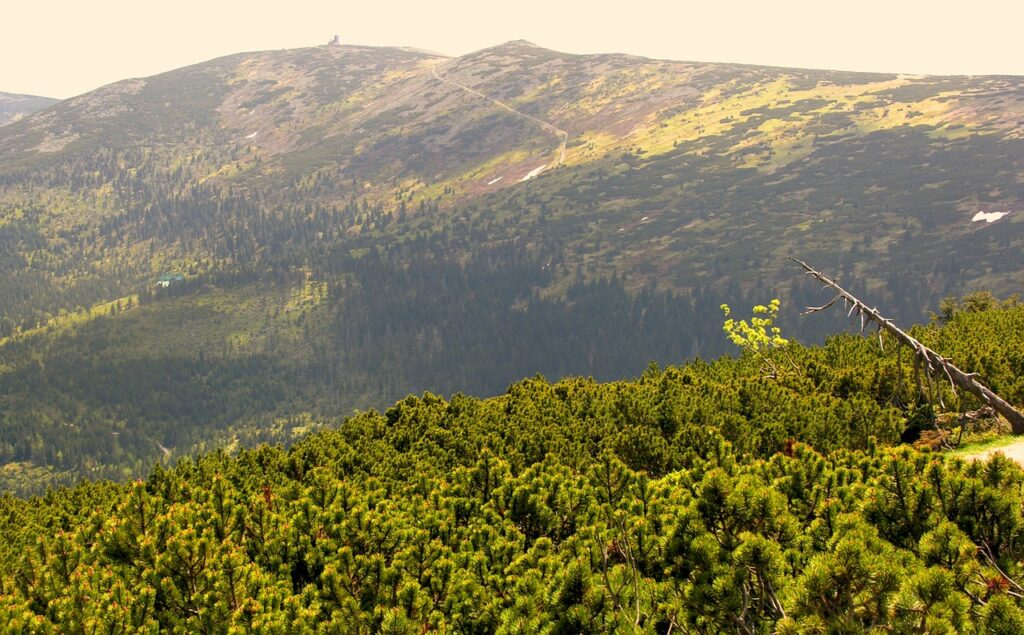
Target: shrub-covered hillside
<point>340,226</point>
<point>710,497</point>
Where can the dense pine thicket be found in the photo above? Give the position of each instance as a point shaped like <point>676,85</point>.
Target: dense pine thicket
<point>701,498</point>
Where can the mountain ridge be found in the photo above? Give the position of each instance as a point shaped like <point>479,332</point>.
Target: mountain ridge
<point>349,228</point>
<point>373,124</point>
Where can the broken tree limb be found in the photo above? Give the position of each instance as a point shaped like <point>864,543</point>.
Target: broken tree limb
<point>929,360</point>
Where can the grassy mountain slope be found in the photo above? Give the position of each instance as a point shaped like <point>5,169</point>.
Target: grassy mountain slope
<point>356,223</point>
<point>675,171</point>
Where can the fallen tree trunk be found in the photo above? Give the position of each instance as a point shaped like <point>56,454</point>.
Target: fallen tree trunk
<point>933,362</point>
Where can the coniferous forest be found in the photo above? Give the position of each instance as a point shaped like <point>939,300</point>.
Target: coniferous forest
<point>708,497</point>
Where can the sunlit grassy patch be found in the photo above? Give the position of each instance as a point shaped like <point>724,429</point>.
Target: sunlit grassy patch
<point>984,444</point>
<point>67,319</point>
<point>538,91</point>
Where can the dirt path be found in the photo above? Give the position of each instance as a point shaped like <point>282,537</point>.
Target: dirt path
<point>1014,452</point>
<point>561,134</point>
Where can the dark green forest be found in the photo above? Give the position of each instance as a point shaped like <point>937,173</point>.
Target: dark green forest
<point>168,371</point>
<point>707,497</point>
<point>101,398</point>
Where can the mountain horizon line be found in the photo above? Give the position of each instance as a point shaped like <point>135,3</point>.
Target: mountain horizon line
<point>518,42</point>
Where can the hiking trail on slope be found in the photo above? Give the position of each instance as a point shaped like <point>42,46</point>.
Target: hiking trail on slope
<point>561,134</point>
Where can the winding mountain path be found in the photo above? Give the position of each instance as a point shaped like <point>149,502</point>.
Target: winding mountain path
<point>561,134</point>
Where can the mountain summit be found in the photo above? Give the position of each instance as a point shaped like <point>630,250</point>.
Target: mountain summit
<point>644,159</point>
<point>341,225</point>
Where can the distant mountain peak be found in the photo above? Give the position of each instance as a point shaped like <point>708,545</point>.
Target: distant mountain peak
<point>520,42</point>
<point>512,46</point>
<point>14,106</point>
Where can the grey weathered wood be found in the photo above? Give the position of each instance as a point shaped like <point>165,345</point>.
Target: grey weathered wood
<point>933,362</point>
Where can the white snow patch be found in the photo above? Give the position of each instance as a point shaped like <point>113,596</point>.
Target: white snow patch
<point>252,136</point>
<point>988,217</point>
<point>493,181</point>
<point>534,172</point>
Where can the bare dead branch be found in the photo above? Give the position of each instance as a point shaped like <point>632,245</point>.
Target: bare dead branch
<point>926,357</point>
<point>986,550</point>
<point>815,309</point>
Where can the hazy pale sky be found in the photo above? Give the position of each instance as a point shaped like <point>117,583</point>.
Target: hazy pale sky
<point>61,48</point>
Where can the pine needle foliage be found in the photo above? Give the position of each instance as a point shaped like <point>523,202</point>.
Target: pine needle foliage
<point>701,498</point>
